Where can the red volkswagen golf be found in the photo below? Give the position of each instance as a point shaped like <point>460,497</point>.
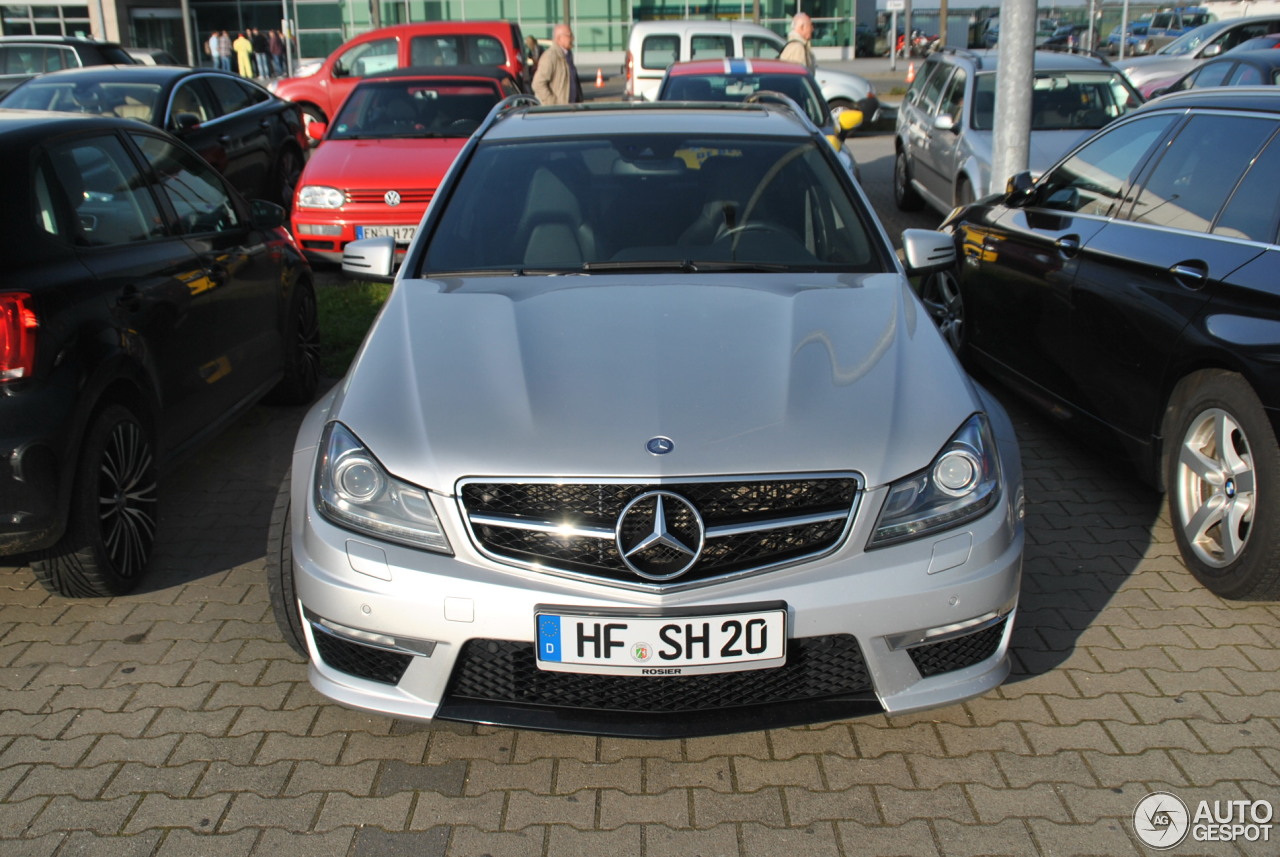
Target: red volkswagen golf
<point>381,159</point>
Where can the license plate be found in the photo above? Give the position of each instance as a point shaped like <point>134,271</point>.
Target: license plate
<point>618,643</point>
<point>402,234</point>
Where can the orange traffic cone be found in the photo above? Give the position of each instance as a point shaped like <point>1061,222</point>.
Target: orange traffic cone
<point>599,79</point>
<point>911,72</point>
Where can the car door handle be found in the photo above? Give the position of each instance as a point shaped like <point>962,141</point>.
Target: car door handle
<point>1192,274</point>
<point>1068,245</point>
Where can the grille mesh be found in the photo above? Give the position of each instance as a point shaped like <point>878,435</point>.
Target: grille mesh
<point>362,661</point>
<point>598,506</point>
<point>936,658</point>
<point>505,672</point>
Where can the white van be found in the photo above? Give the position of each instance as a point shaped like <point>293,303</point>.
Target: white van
<point>654,45</point>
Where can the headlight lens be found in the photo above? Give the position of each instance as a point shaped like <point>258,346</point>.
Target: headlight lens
<point>319,196</point>
<point>355,492</point>
<point>962,483</point>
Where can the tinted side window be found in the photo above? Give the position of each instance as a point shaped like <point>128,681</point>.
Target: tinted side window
<point>932,91</point>
<point>917,85</point>
<point>1245,75</point>
<point>231,94</point>
<point>486,50</point>
<point>1092,180</point>
<point>193,99</point>
<point>658,52</point>
<point>952,103</point>
<point>1250,214</point>
<point>193,188</point>
<point>710,47</point>
<point>1212,74</point>
<point>93,195</point>
<point>1199,169</point>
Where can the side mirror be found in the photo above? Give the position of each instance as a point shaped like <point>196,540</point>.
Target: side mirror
<point>1211,51</point>
<point>340,71</point>
<point>925,251</point>
<point>315,130</point>
<point>945,122</point>
<point>1018,189</point>
<point>184,122</point>
<point>267,215</point>
<point>1156,93</point>
<point>370,258</point>
<point>847,121</point>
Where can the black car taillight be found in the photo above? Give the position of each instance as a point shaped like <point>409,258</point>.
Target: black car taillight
<point>18,325</point>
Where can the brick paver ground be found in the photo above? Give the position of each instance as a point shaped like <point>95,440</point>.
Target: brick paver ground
<point>173,722</point>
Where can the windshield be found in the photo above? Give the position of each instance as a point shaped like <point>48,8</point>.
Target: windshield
<point>738,87</point>
<point>414,108</point>
<point>1189,43</point>
<point>652,202</point>
<point>1062,100</point>
<point>130,100</point>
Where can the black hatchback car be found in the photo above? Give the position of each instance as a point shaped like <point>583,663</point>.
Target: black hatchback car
<point>144,304</point>
<point>252,137</point>
<point>1136,287</point>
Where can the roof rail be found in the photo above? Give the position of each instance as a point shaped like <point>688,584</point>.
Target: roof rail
<point>965,52</point>
<point>520,99</point>
<point>1077,51</point>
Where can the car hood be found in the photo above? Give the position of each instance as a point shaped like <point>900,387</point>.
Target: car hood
<point>572,376</point>
<point>842,84</point>
<point>1045,149</point>
<point>382,163</point>
<point>1141,70</point>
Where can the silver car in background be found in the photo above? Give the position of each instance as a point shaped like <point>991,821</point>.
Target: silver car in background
<point>696,463</point>
<point>944,135</point>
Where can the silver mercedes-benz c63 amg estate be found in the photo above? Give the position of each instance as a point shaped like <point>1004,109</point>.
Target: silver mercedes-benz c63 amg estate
<point>651,438</point>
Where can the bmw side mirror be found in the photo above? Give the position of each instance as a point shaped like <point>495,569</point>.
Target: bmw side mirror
<point>1017,191</point>
<point>370,258</point>
<point>183,122</point>
<point>267,215</point>
<point>925,251</point>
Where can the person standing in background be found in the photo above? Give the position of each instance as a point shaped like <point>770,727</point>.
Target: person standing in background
<point>556,80</point>
<point>798,49</point>
<point>261,52</point>
<point>244,53</point>
<point>275,44</point>
<point>223,51</point>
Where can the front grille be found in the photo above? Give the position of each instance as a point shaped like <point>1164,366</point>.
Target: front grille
<point>415,196</point>
<point>750,524</point>
<point>359,660</point>
<point>503,672</point>
<point>936,658</point>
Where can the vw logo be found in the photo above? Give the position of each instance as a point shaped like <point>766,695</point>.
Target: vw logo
<point>391,197</point>
<point>660,445</point>
<point>660,535</point>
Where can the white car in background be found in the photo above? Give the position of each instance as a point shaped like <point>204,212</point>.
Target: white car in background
<point>654,45</point>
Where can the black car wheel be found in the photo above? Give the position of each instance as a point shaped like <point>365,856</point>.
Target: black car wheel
<point>112,523</point>
<point>940,294</point>
<point>284,599</point>
<point>964,193</point>
<point>1223,478</point>
<point>301,350</point>
<point>287,172</point>
<point>904,195</point>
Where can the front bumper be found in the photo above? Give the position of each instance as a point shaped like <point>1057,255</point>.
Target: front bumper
<point>322,234</point>
<point>420,635</point>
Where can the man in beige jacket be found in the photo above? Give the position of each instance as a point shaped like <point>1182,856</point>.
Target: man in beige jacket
<point>556,80</point>
<point>797,49</point>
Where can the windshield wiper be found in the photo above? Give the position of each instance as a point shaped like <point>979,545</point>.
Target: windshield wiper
<point>684,266</point>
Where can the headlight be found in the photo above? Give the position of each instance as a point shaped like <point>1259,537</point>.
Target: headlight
<point>355,492</point>
<point>319,196</point>
<point>962,483</point>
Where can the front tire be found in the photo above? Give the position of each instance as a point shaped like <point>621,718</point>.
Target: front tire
<point>280,578</point>
<point>284,181</point>
<point>111,527</point>
<point>904,195</point>
<point>301,350</point>
<point>940,294</point>
<point>1222,473</point>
